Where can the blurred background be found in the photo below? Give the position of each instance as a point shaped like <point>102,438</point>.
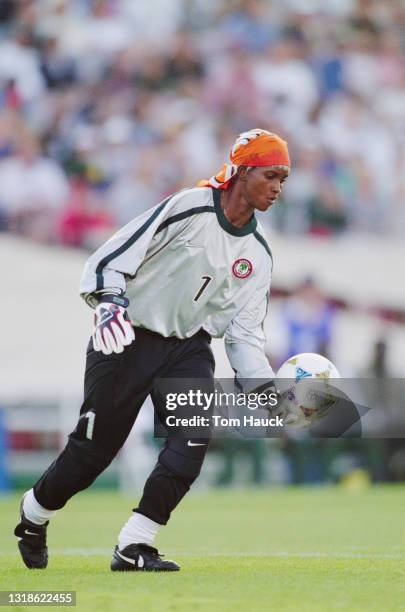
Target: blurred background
<point>108,106</point>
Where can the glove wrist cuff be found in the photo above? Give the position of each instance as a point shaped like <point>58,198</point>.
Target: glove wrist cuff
<point>113,298</point>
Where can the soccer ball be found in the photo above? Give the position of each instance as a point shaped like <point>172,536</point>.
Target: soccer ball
<point>305,382</point>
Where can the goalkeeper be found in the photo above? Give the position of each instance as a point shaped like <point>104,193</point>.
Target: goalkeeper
<point>195,266</point>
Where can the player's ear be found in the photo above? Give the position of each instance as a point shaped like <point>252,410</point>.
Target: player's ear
<point>242,172</point>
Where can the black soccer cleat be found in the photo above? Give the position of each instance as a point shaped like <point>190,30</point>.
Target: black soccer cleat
<point>32,543</point>
<point>141,558</point>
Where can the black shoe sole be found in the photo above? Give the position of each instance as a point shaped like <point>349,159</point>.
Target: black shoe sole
<point>155,569</point>
<point>118,566</point>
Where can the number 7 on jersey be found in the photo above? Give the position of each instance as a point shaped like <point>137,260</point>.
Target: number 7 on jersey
<point>207,280</point>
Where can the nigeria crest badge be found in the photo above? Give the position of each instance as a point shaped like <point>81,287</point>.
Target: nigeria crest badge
<point>242,268</point>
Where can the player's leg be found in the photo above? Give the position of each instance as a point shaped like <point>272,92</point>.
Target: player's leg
<point>177,468</point>
<point>115,387</point>
<point>178,465</point>
<point>113,398</point>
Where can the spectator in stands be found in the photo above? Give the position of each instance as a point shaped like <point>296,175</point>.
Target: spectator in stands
<point>309,320</point>
<point>33,190</point>
<point>19,62</point>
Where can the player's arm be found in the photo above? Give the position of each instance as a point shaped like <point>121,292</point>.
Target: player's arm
<point>103,281</point>
<point>106,270</point>
<point>245,340</point>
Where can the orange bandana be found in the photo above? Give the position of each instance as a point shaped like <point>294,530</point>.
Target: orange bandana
<point>254,148</point>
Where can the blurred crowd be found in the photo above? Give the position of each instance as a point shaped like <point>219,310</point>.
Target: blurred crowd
<point>107,106</point>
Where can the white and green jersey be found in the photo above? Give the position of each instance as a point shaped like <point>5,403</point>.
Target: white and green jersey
<point>184,267</point>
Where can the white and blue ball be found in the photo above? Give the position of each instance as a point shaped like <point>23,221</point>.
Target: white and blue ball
<point>306,383</point>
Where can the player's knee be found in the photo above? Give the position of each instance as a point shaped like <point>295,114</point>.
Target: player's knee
<point>187,466</point>
<point>89,458</point>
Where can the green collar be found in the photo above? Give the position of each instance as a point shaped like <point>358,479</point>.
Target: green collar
<point>249,228</point>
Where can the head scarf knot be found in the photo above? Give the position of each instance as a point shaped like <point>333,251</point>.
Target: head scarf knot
<point>253,148</point>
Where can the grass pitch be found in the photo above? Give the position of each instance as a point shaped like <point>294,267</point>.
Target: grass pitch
<point>279,549</point>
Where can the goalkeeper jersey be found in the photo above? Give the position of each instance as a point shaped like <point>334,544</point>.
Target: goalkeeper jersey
<point>183,267</point>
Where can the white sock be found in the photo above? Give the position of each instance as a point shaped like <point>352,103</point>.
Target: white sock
<point>34,512</point>
<point>138,529</point>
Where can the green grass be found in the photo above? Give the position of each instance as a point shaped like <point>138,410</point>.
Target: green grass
<point>280,549</point>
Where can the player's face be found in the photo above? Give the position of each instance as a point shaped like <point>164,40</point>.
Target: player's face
<point>264,184</point>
